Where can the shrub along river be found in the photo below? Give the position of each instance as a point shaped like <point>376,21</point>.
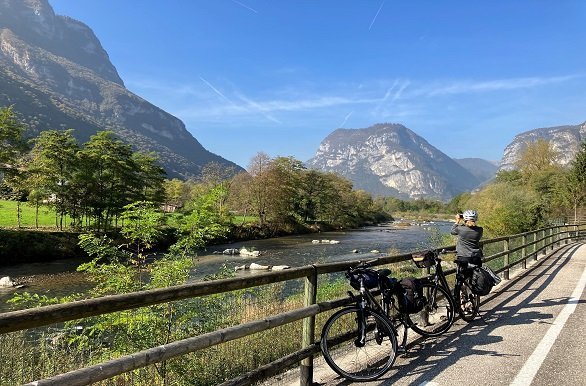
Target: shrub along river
<point>60,278</point>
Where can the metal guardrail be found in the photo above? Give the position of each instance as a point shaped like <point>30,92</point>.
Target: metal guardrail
<point>515,250</point>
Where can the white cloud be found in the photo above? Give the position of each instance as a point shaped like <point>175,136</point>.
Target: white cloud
<point>464,87</point>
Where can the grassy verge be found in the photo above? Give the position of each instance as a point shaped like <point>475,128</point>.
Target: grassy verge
<point>9,216</point>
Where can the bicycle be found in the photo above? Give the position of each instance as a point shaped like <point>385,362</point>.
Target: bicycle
<point>466,301</point>
<point>359,342</point>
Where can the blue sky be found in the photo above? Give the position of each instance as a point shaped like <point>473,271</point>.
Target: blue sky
<point>279,76</point>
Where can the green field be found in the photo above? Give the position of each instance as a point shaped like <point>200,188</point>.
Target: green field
<point>8,215</point>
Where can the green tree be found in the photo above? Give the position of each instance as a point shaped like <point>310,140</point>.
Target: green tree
<point>12,143</point>
<point>51,168</point>
<point>240,197</point>
<point>259,186</point>
<point>573,186</point>
<point>507,209</point>
<point>108,172</point>
<point>175,192</point>
<point>148,178</point>
<point>12,148</point>
<point>283,180</point>
<point>202,224</point>
<point>538,157</point>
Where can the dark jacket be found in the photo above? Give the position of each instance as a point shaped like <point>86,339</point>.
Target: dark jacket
<point>468,245</point>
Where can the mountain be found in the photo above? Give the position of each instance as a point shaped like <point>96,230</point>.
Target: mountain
<point>57,75</point>
<point>565,140</point>
<point>482,169</point>
<point>391,160</point>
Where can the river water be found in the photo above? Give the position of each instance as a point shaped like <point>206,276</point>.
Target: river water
<point>59,278</point>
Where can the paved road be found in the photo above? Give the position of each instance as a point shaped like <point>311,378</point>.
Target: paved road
<point>532,332</point>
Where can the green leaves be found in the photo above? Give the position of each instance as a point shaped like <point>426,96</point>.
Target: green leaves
<point>12,143</point>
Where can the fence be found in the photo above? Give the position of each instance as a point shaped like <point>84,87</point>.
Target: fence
<point>235,331</point>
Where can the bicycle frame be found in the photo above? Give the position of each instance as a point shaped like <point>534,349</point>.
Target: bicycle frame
<point>366,299</point>
<point>439,278</point>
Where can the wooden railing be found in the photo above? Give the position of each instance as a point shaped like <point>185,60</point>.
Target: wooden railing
<point>504,253</point>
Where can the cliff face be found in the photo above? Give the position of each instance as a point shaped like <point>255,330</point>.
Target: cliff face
<point>566,140</point>
<point>56,74</point>
<point>390,159</point>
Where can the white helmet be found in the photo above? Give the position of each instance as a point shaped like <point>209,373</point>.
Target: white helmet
<point>470,215</point>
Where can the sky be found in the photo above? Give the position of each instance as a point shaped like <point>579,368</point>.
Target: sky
<point>247,76</point>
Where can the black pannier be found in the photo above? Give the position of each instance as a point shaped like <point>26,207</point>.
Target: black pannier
<point>411,300</point>
<point>483,279</point>
<point>369,276</point>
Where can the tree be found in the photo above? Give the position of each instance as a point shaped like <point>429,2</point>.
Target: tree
<point>537,157</point>
<point>175,192</point>
<point>539,169</point>
<point>12,148</point>
<point>109,174</point>
<point>202,224</point>
<point>283,181</point>
<point>258,169</point>
<point>240,195</point>
<point>507,209</point>
<point>148,178</point>
<point>214,174</point>
<point>51,168</point>
<point>574,186</point>
<point>12,143</point>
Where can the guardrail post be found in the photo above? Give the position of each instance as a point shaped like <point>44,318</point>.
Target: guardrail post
<point>506,258</point>
<point>535,245</point>
<point>524,252</point>
<point>308,334</point>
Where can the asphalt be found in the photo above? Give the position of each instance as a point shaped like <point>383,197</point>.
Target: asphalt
<point>531,332</point>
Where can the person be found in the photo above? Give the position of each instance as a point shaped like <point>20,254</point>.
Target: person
<point>469,234</point>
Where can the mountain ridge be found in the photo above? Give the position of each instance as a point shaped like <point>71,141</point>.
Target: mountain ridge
<point>565,139</point>
<point>56,75</point>
<point>390,159</point>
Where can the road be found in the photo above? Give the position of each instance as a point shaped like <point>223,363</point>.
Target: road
<point>531,332</point>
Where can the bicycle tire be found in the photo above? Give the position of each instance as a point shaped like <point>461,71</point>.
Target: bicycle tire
<point>437,316</point>
<point>467,302</point>
<point>348,358</point>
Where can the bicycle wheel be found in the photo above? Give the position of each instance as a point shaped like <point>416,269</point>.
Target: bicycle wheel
<point>437,316</point>
<point>467,302</point>
<point>350,356</point>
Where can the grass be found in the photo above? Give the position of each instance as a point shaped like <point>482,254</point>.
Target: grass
<point>8,215</point>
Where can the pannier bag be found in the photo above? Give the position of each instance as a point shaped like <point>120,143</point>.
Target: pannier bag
<point>369,276</point>
<point>411,300</point>
<point>483,279</point>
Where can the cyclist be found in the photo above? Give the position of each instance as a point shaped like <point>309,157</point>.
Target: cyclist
<point>468,246</point>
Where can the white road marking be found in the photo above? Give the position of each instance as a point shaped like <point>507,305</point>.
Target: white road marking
<point>532,365</point>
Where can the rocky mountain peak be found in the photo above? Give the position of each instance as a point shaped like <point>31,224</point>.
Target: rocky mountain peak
<point>566,140</point>
<point>390,159</point>
<point>35,22</point>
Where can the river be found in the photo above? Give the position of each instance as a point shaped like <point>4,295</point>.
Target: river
<point>59,278</point>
